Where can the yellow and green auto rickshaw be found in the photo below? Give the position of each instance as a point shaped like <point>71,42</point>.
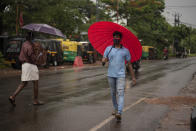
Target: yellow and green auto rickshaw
<point>148,52</point>
<point>70,49</point>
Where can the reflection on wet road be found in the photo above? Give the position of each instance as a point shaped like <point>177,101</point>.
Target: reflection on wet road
<point>79,99</point>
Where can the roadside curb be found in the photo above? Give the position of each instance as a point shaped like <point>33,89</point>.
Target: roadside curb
<point>14,72</point>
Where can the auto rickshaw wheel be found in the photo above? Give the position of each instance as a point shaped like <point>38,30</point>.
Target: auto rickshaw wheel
<point>91,59</point>
<point>55,63</point>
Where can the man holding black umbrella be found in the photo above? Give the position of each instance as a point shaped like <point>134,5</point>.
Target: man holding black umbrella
<point>116,55</point>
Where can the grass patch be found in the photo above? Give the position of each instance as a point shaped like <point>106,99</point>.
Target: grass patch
<point>192,55</point>
<point>172,55</point>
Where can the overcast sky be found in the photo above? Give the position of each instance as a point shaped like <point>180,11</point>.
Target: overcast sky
<point>186,9</point>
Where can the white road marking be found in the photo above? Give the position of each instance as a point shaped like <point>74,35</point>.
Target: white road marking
<point>112,117</point>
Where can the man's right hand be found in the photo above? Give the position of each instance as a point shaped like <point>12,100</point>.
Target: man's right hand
<point>104,60</point>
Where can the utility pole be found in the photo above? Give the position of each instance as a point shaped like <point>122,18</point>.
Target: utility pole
<point>176,23</point>
<point>190,40</point>
<point>176,19</point>
<point>174,41</point>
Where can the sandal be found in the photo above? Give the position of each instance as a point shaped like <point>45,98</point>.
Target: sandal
<point>38,103</point>
<point>12,101</point>
<point>114,112</point>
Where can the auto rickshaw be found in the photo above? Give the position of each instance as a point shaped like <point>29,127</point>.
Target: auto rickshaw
<point>3,43</point>
<point>148,52</point>
<point>54,52</point>
<point>12,51</point>
<point>69,50</point>
<point>88,53</point>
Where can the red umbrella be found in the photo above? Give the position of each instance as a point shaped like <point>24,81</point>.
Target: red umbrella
<point>100,35</point>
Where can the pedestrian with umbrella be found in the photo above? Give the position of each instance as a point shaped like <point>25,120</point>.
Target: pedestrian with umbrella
<point>115,43</point>
<point>30,56</point>
<point>30,72</point>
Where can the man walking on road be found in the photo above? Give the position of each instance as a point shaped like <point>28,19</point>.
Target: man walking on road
<point>30,72</point>
<point>116,55</point>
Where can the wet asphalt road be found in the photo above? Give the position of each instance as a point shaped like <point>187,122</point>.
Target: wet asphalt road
<point>79,99</point>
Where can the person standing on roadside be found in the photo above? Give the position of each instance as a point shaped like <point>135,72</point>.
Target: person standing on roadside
<point>165,53</point>
<point>28,57</point>
<point>116,55</point>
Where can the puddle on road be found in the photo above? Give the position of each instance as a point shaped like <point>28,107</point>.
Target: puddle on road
<point>173,101</point>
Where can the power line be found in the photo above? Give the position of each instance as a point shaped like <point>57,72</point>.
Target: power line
<point>176,18</point>
<point>181,6</point>
<point>187,24</point>
<point>183,1</point>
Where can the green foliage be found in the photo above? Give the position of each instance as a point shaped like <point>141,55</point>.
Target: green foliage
<point>70,16</point>
<point>67,15</point>
<point>132,30</point>
<point>186,37</point>
<point>190,40</point>
<point>192,55</point>
<point>146,19</point>
<point>143,18</point>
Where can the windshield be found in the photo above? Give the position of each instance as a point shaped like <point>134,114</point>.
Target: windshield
<point>52,46</point>
<point>13,46</point>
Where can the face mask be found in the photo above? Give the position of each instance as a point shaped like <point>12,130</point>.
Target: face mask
<point>116,41</point>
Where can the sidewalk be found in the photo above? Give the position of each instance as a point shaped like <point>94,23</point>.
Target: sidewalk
<point>178,118</point>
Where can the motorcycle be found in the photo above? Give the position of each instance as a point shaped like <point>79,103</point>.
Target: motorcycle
<point>135,66</point>
<point>165,56</point>
<point>165,53</point>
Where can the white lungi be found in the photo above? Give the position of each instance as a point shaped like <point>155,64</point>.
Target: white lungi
<point>30,72</point>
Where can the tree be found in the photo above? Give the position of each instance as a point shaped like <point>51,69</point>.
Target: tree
<point>66,15</point>
<point>145,17</point>
<point>4,7</point>
<point>189,40</point>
